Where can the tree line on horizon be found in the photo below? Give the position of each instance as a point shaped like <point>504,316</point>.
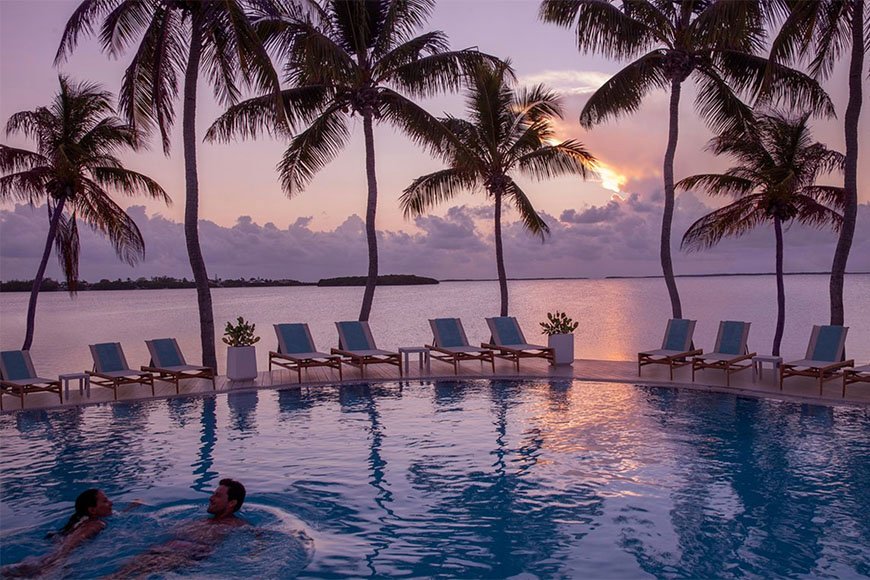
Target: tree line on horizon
<point>341,59</point>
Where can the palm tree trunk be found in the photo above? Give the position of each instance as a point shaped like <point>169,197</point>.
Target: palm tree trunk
<point>191,207</point>
<point>850,172</point>
<point>37,281</point>
<point>780,288</point>
<point>668,214</point>
<point>371,211</point>
<point>499,257</point>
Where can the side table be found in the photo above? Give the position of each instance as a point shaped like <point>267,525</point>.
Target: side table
<point>84,383</point>
<point>406,351</point>
<point>758,364</point>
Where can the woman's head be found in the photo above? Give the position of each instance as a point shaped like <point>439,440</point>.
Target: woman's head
<point>91,503</point>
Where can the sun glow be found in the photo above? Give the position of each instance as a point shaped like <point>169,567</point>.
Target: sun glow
<point>610,179</point>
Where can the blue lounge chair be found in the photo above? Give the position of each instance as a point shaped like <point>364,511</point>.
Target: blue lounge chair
<point>112,371</point>
<point>451,344</point>
<point>168,364</point>
<point>509,342</point>
<point>296,351</point>
<point>855,375</point>
<point>731,353</point>
<point>357,345</point>
<point>676,347</point>
<point>823,360</point>
<point>18,377</point>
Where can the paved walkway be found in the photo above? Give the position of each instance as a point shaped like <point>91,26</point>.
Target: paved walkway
<point>801,389</point>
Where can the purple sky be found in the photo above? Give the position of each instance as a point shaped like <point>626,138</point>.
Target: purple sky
<point>250,228</point>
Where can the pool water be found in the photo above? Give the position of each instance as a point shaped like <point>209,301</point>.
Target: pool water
<point>472,479</point>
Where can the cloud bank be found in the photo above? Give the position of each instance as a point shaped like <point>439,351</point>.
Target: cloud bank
<point>619,238</point>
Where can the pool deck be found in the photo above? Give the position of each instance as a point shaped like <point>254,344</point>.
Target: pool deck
<point>797,389</point>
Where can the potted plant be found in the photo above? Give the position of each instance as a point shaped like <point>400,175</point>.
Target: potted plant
<point>241,354</point>
<point>559,329</point>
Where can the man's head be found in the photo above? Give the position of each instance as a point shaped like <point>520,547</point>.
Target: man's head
<point>227,498</point>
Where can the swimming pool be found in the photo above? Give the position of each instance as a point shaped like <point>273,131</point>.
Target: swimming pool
<point>470,479</point>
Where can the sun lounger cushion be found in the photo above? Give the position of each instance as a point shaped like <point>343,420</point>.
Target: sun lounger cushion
<point>294,339</point>
<point>508,331</point>
<point>109,357</point>
<point>678,333</point>
<point>731,341</point>
<point>449,333</point>
<point>354,336</point>
<point>167,353</point>
<point>15,366</point>
<point>828,344</point>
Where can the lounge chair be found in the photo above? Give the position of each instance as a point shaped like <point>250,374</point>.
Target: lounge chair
<point>167,364</point>
<point>112,371</point>
<point>676,347</point>
<point>508,342</point>
<point>451,344</point>
<point>357,345</point>
<point>730,351</point>
<point>296,351</point>
<point>855,375</point>
<point>17,377</point>
<point>823,358</point>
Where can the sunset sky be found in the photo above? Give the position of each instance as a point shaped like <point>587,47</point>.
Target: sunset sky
<point>608,227</point>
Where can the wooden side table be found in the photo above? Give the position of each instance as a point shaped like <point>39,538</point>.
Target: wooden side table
<point>758,364</point>
<point>84,383</point>
<point>407,351</point>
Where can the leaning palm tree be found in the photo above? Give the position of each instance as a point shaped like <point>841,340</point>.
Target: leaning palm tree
<point>346,58</point>
<point>714,42</point>
<point>73,169</point>
<point>508,132</point>
<point>824,30</point>
<point>775,181</point>
<point>179,38</point>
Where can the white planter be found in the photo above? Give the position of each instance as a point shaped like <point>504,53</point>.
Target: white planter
<point>241,363</point>
<point>563,344</point>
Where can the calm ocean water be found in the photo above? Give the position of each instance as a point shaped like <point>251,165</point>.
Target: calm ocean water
<point>617,317</point>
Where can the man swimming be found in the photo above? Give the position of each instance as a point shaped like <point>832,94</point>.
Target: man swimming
<point>193,541</point>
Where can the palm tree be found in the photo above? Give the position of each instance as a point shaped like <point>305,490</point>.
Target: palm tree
<point>714,42</point>
<point>775,181</point>
<point>73,169</point>
<point>347,58</point>
<point>178,38</point>
<point>824,29</point>
<point>508,132</point>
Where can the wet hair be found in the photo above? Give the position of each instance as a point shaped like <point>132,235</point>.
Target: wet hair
<point>85,501</point>
<point>235,491</point>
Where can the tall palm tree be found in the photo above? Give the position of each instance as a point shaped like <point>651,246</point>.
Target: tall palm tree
<point>824,30</point>
<point>347,58</point>
<point>179,38</point>
<point>507,132</point>
<point>713,42</point>
<point>73,170</point>
<point>774,181</point>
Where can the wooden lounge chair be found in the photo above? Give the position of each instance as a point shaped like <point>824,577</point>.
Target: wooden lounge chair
<point>18,377</point>
<point>676,347</point>
<point>296,351</point>
<point>168,364</point>
<point>112,371</point>
<point>508,342</point>
<point>823,358</point>
<point>450,344</point>
<point>357,345</point>
<point>855,375</point>
<point>730,351</point>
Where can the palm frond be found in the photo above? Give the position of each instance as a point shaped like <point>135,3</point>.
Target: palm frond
<point>733,220</point>
<point>400,20</point>
<point>98,210</point>
<point>67,248</point>
<point>312,149</point>
<point>717,184</point>
<point>432,189</point>
<point>124,24</point>
<point>624,91</point>
<point>566,158</point>
<point>13,159</point>
<point>532,221</point>
<point>827,195</point>
<point>413,120</point>
<point>812,213</point>
<point>27,186</point>
<point>81,21</point>
<point>717,103</point>
<point>129,183</point>
<point>436,73</point>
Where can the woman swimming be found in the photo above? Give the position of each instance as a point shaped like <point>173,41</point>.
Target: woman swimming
<point>91,507</point>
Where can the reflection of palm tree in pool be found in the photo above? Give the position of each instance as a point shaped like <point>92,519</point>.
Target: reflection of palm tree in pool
<point>242,412</point>
<point>180,410</point>
<point>208,439</point>
<point>744,498</point>
<point>293,401</point>
<point>448,393</point>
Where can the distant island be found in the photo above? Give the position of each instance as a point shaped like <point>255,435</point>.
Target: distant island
<point>388,280</point>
